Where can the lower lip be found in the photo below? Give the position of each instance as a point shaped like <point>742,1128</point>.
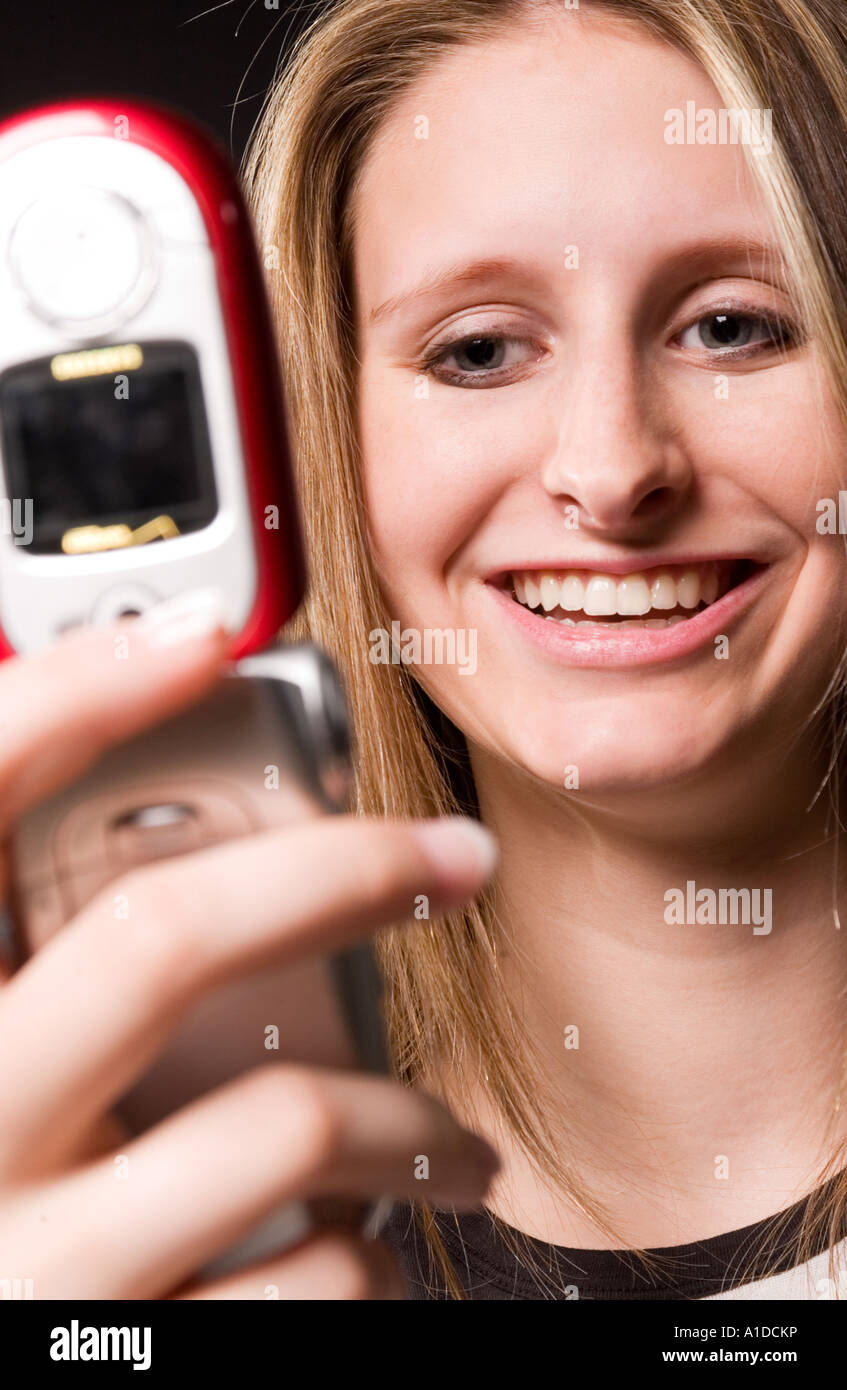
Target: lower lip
<point>632,646</point>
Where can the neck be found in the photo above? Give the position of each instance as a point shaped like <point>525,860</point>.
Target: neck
<point>690,1060</point>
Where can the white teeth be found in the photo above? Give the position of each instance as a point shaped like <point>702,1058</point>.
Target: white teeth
<point>573,593</point>
<point>604,627</point>
<point>605,596</point>
<point>550,590</point>
<point>601,597</point>
<point>633,595</point>
<point>688,589</point>
<point>663,591</point>
<point>533,593</point>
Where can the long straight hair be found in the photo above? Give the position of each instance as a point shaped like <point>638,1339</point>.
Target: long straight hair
<point>446,1007</point>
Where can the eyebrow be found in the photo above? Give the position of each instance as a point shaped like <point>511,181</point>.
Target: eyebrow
<point>459,273</point>
<point>693,256</point>
<point>710,251</point>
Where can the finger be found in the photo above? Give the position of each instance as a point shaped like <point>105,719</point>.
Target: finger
<point>114,991</point>
<point>62,707</point>
<point>331,1266</point>
<point>205,1177</point>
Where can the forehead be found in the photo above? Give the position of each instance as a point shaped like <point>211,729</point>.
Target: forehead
<point>550,136</point>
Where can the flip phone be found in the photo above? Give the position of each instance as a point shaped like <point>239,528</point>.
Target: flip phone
<point>144,452</point>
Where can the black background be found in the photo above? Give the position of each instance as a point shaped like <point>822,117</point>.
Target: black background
<point>212,61</point>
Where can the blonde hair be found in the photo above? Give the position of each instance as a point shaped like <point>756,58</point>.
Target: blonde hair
<point>445,1006</point>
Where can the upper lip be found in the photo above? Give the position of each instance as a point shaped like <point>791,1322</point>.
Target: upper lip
<point>631,564</point>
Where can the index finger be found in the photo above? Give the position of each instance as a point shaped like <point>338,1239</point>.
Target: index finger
<point>116,990</point>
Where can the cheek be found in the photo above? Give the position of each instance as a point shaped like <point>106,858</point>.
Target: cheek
<point>433,470</point>
<point>769,436</point>
<point>403,475</point>
<point>787,448</point>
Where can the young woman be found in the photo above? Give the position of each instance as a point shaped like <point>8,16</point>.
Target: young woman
<point>549,362</point>
<point>565,348</point>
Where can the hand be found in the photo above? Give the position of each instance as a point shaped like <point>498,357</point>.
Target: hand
<point>84,1017</point>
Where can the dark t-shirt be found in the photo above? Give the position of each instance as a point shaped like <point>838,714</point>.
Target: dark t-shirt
<point>760,1261</point>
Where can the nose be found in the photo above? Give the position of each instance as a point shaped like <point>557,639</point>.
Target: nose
<point>617,459</point>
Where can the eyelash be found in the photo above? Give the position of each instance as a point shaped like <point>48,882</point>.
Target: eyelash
<point>436,357</point>
<point>783,334</point>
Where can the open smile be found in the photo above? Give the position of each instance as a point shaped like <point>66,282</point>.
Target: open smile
<point>601,618</point>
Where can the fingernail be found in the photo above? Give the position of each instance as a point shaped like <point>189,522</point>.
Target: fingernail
<point>457,845</point>
<point>198,613</point>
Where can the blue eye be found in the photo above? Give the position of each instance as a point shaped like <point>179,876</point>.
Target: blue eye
<point>480,358</point>
<point>734,330</point>
<point>729,333</point>
<point>480,353</point>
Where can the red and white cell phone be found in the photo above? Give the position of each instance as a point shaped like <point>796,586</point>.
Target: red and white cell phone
<point>144,453</point>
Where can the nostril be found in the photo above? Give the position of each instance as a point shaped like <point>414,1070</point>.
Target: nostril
<point>655,502</point>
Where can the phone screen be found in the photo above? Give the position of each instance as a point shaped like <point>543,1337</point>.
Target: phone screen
<point>110,444</point>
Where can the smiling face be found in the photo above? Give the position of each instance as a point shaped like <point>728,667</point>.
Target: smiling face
<point>588,423</point>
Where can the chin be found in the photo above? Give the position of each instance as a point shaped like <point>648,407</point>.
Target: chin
<point>611,751</point>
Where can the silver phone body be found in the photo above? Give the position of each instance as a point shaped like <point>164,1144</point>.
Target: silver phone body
<point>270,747</point>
